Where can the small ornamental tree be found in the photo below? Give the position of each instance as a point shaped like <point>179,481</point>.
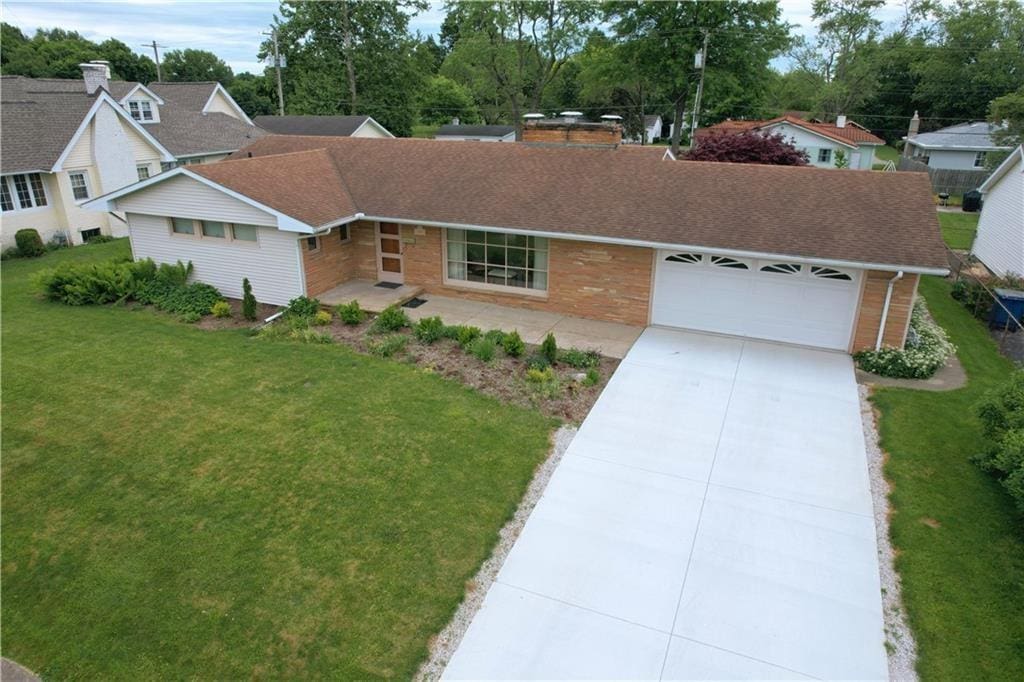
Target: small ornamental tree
<point>748,147</point>
<point>248,300</point>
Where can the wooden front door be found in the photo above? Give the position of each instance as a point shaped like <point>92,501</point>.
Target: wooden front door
<point>389,253</point>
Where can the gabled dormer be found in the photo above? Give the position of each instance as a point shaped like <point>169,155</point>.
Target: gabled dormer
<point>142,104</point>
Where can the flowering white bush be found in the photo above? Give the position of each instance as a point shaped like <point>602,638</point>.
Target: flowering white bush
<point>926,350</point>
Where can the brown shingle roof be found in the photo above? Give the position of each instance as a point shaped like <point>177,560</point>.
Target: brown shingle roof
<point>191,96</point>
<point>311,125</point>
<point>857,216</point>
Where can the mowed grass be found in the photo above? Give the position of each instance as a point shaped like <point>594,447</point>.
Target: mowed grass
<point>958,229</point>
<point>959,540</point>
<point>186,504</point>
<point>885,153</point>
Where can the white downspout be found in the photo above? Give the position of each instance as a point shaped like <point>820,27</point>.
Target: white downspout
<point>885,308</point>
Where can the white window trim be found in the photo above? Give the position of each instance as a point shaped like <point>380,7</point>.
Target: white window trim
<point>305,244</point>
<point>348,231</point>
<point>88,185</point>
<point>139,167</point>
<point>485,286</point>
<point>18,208</point>
<point>197,232</point>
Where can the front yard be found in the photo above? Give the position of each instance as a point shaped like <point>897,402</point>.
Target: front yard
<point>182,503</point>
<point>959,540</point>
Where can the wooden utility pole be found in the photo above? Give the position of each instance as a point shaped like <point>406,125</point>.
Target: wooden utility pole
<point>156,58</point>
<point>277,68</point>
<point>700,88</point>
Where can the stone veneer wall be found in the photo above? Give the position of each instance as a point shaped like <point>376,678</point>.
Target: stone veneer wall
<point>869,316</point>
<point>585,279</point>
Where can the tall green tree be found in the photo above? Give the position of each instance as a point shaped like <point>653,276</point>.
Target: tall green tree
<point>126,64</point>
<point>196,65</point>
<point>56,53</point>
<point>742,38</point>
<point>353,58</point>
<point>610,76</point>
<point>979,56</point>
<point>442,99</point>
<point>516,48</point>
<point>256,94</point>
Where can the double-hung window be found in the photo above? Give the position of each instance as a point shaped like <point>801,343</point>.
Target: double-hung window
<point>140,110</point>
<point>21,191</point>
<point>497,259</point>
<point>143,171</point>
<point>79,185</point>
<point>824,156</point>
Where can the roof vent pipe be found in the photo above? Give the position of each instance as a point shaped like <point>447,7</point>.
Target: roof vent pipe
<point>533,116</point>
<point>885,309</point>
<point>571,116</point>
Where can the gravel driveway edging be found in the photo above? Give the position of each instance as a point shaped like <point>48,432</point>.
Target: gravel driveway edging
<point>443,646</point>
<point>899,638</point>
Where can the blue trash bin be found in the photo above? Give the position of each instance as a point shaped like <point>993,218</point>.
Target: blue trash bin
<point>1014,302</point>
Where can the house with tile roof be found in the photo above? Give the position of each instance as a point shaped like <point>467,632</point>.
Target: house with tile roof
<point>64,141</point>
<point>568,221</point>
<point>821,141</point>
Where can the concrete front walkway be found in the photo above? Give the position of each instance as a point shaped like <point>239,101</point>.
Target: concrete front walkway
<point>711,520</point>
<point>611,339</point>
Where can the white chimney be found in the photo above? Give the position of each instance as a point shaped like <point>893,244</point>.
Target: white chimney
<point>841,121</point>
<point>96,75</point>
<point>455,120</point>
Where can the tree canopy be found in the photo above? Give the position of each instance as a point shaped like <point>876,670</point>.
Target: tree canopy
<point>195,65</point>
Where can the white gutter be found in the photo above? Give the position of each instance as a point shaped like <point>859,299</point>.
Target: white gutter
<point>885,309</point>
<point>857,265</point>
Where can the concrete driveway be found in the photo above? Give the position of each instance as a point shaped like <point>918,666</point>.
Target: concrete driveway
<point>711,520</point>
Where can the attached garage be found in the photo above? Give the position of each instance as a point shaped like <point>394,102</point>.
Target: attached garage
<point>811,305</point>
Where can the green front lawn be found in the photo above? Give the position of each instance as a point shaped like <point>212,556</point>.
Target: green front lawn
<point>885,153</point>
<point>180,503</point>
<point>958,229</point>
<point>959,541</point>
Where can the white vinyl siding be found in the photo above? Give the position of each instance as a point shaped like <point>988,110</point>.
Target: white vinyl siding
<point>271,264</point>
<point>81,153</point>
<point>1000,241</point>
<point>219,104</point>
<point>187,198</point>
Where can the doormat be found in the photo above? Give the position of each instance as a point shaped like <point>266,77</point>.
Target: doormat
<point>414,303</point>
<point>388,285</point>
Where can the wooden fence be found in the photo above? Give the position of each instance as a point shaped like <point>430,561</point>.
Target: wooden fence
<point>956,182</point>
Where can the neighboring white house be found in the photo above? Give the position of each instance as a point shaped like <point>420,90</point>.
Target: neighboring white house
<point>65,141</point>
<point>964,146</point>
<point>821,141</point>
<point>330,126</point>
<point>482,133</point>
<point>652,130</point>
<point>999,243</point>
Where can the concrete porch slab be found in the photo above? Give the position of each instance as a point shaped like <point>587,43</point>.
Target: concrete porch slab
<point>371,297</point>
<point>611,339</point>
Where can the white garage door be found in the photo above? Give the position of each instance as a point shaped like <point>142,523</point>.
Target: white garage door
<point>796,303</point>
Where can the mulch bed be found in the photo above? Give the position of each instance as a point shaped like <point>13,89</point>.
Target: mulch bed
<point>503,377</point>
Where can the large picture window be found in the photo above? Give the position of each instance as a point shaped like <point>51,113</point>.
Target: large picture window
<point>27,187</point>
<point>497,259</point>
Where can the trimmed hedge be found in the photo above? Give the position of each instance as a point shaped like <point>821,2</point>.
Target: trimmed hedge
<point>30,244</point>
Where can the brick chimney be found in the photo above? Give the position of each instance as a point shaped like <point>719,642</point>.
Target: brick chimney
<point>915,125</point>
<point>571,133</point>
<point>96,75</point>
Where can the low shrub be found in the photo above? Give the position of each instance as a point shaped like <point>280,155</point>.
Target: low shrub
<point>538,361</point>
<point>101,239</point>
<point>197,298</point>
<point>191,317</point>
<point>322,318</point>
<point>302,307</point>
<point>30,244</point>
<point>9,253</point>
<point>428,330</point>
<point>95,283</point>
<point>495,335</point>
<point>451,332</point>
<point>248,301</point>
<point>1001,412</point>
<point>593,376</point>
<point>513,344</point>
<point>579,358</point>
<point>176,273</point>
<point>537,375</point>
<point>386,346</point>
<point>466,334</point>
<point>221,309</point>
<point>391,319</point>
<point>549,349</point>
<point>350,313</point>
<point>482,348</point>
<point>926,350</point>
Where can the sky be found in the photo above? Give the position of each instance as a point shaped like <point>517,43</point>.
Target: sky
<point>232,29</point>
